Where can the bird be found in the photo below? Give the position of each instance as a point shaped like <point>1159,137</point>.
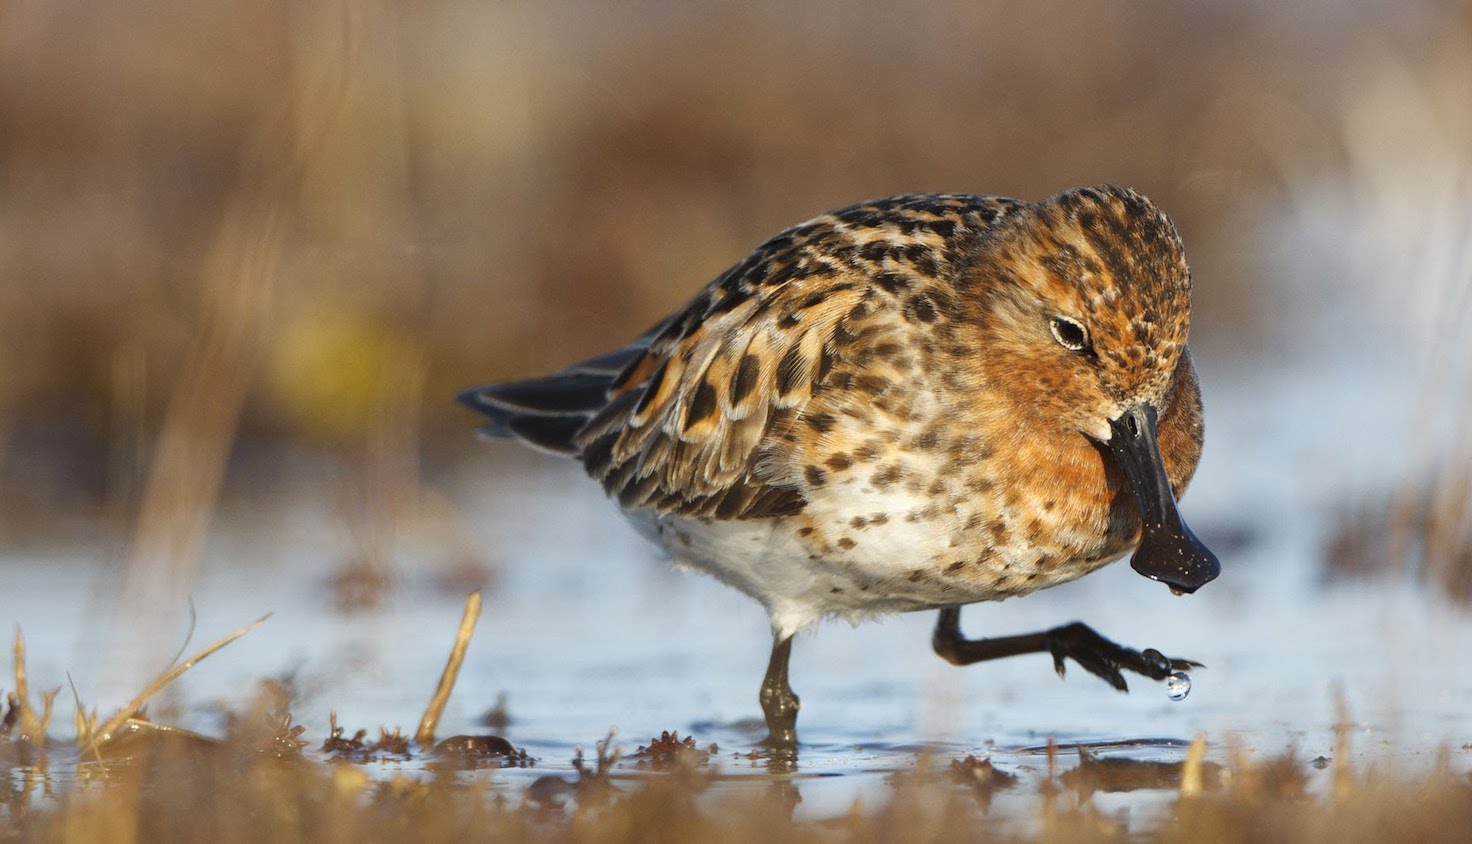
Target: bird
<point>909,404</point>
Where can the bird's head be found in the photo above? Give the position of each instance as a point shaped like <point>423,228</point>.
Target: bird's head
<point>1089,306</point>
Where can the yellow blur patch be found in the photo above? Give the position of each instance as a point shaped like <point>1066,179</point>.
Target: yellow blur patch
<point>349,780</point>
<point>334,373</point>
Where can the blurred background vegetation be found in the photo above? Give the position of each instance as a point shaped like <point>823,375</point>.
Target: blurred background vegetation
<point>233,235</point>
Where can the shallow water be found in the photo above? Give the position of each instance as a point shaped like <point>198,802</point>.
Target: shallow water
<point>585,628</point>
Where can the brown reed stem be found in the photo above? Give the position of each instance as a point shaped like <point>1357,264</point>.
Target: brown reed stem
<point>425,736</point>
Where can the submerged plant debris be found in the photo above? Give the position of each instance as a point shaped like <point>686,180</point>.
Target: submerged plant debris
<point>266,778</point>
<point>670,751</point>
<point>229,790</point>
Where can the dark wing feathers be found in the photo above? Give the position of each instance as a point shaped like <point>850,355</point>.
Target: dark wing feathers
<point>613,363</point>
<point>546,430</point>
<point>551,433</point>
<point>542,411</point>
<point>548,412</point>
<point>686,419</point>
<point>554,395</point>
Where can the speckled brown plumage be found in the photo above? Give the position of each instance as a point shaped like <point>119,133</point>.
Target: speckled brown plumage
<point>703,423</point>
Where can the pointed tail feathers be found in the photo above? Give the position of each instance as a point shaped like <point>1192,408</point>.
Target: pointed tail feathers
<point>544,412</point>
<point>548,412</point>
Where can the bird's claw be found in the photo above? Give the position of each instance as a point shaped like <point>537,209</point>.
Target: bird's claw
<point>1108,660</point>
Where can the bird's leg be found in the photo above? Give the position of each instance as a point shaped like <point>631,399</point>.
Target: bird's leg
<point>1075,641</point>
<point>779,704</point>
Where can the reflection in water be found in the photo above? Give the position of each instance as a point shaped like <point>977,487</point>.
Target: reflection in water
<point>982,777</point>
<point>1122,773</point>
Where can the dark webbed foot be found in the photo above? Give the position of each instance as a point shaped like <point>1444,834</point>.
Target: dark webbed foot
<point>1105,658</point>
<point>1077,641</point>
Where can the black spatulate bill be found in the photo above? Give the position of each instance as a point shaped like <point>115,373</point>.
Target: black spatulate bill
<point>1168,551</point>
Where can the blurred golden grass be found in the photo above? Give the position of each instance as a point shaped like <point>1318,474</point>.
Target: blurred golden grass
<point>1400,218</point>
<point>462,191</point>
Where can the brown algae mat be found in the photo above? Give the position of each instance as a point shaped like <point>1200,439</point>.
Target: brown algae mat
<point>257,785</point>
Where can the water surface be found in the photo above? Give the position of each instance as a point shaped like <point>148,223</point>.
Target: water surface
<point>585,628</point>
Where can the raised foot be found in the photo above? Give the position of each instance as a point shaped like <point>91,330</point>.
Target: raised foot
<point>1107,659</point>
<point>1076,641</point>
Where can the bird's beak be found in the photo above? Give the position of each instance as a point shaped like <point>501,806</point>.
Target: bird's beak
<point>1168,551</point>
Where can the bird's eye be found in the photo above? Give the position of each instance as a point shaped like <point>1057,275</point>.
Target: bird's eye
<point>1069,333</point>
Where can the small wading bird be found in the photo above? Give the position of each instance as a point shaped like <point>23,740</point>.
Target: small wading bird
<point>914,403</point>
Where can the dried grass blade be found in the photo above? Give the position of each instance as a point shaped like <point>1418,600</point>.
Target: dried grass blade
<point>425,735</point>
<point>117,721</point>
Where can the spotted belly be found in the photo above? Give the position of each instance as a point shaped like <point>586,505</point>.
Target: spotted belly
<point>861,562</point>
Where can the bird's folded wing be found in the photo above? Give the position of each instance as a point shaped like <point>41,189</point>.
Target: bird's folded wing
<point>692,421</point>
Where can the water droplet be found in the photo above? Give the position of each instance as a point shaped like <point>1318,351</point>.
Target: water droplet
<point>1178,685</point>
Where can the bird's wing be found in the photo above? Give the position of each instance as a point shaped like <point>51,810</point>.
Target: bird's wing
<point>694,421</point>
<point>685,437</point>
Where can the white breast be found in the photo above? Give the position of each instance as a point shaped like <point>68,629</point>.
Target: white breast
<point>771,561</point>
